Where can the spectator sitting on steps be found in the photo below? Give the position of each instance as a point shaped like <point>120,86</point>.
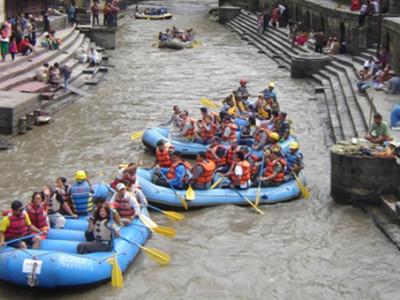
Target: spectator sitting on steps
<point>335,47</point>
<point>379,131</point>
<point>365,80</point>
<point>93,57</point>
<point>393,85</point>
<point>42,74</point>
<point>25,47</point>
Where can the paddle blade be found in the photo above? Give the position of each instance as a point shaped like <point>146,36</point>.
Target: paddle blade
<point>208,103</point>
<point>149,223</point>
<point>194,45</point>
<point>190,195</point>
<point>258,195</point>
<point>302,187</point>
<point>183,201</point>
<point>116,275</point>
<point>174,216</point>
<point>157,255</point>
<point>232,111</point>
<point>154,44</point>
<point>255,207</point>
<point>200,43</point>
<point>137,135</point>
<point>165,231</point>
<point>217,182</point>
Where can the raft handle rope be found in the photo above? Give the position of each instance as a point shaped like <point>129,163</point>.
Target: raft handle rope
<point>32,279</point>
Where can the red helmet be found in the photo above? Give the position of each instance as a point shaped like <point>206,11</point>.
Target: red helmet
<point>243,80</point>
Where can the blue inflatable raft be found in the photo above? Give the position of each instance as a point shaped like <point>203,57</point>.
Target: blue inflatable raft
<point>188,148</point>
<point>165,197</point>
<point>57,263</point>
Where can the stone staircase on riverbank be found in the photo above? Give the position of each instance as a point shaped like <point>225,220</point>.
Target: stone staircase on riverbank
<point>346,113</point>
<point>18,76</point>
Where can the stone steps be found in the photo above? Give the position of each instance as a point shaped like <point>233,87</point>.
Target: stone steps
<point>346,112</point>
<point>61,58</point>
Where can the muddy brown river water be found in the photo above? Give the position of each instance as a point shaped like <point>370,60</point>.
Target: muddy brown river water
<point>304,249</point>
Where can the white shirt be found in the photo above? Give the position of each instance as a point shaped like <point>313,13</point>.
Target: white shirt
<point>239,172</point>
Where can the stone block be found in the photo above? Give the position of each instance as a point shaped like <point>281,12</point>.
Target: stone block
<point>305,65</point>
<point>14,105</point>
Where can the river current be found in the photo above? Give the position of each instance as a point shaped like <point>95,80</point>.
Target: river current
<point>303,249</point>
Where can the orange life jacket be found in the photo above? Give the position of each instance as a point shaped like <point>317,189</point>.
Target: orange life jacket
<point>206,135</point>
<point>17,227</point>
<point>207,176</point>
<point>270,169</point>
<point>37,215</point>
<point>230,153</point>
<point>171,172</point>
<point>253,169</point>
<point>215,117</point>
<point>257,135</point>
<point>190,132</point>
<point>222,160</point>
<point>246,172</point>
<point>232,136</point>
<point>163,158</point>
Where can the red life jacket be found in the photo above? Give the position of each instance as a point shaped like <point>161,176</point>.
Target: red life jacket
<point>253,169</point>
<point>125,210</point>
<point>207,176</point>
<point>257,135</point>
<point>270,169</point>
<point>206,135</point>
<point>190,132</point>
<point>37,215</point>
<point>222,160</point>
<point>230,153</point>
<point>126,177</point>
<point>171,172</point>
<point>163,158</point>
<point>232,136</point>
<point>17,227</point>
<point>246,172</point>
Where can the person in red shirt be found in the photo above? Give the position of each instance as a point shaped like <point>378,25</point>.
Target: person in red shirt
<point>25,47</point>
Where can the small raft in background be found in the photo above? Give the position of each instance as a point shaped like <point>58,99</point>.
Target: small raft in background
<point>140,15</point>
<point>175,44</point>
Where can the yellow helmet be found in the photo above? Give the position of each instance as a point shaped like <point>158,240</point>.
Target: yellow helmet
<point>271,84</point>
<point>267,152</point>
<point>293,145</point>
<point>274,135</point>
<point>80,175</point>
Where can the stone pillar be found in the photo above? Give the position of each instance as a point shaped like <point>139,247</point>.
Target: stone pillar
<point>359,180</point>
<point>104,36</point>
<point>227,13</point>
<point>306,64</point>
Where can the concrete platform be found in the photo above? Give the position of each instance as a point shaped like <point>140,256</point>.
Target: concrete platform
<point>14,105</point>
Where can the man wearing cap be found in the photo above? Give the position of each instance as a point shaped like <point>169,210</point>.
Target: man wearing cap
<point>16,224</point>
<point>379,131</point>
<point>275,170</point>
<point>269,92</point>
<point>294,161</point>
<point>126,204</point>
<point>283,126</point>
<point>243,90</point>
<point>217,154</point>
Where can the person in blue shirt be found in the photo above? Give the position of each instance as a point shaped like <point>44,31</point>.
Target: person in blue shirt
<point>395,116</point>
<point>177,175</point>
<point>270,92</point>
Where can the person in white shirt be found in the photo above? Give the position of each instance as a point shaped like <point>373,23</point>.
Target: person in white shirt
<point>93,57</point>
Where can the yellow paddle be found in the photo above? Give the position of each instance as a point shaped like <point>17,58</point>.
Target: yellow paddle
<point>254,206</point>
<point>160,230</point>
<point>172,215</point>
<point>209,103</point>
<point>199,43</point>
<point>137,135</point>
<point>157,255</point>
<point>116,275</point>
<point>154,44</point>
<point>190,195</point>
<point>232,110</point>
<point>216,183</point>
<point>147,221</point>
<point>183,201</point>
<point>259,182</point>
<point>302,187</point>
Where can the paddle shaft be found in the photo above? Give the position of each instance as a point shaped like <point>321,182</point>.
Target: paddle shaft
<point>22,238</point>
<point>176,193</point>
